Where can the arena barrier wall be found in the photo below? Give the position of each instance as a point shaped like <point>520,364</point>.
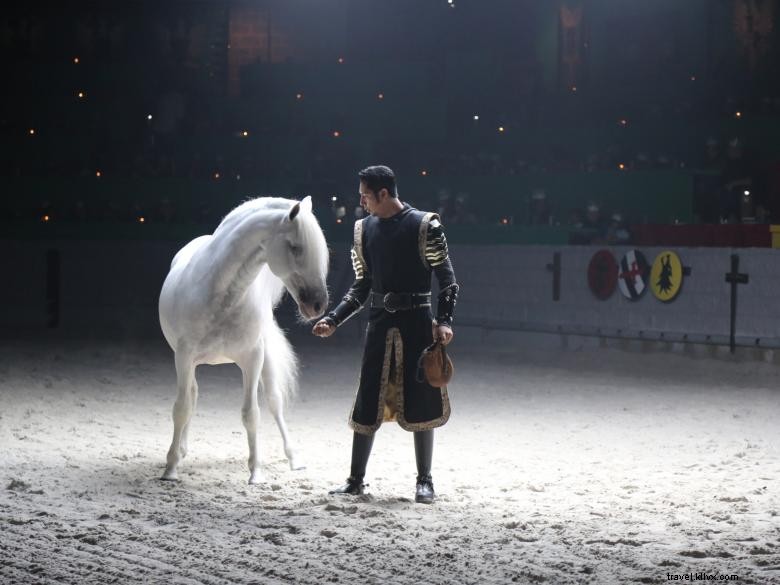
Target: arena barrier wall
<point>82,288</point>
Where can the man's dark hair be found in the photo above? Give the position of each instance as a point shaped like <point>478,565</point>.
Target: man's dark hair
<point>379,177</point>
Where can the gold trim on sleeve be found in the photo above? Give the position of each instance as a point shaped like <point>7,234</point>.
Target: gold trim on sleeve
<point>357,250</point>
<point>423,236</point>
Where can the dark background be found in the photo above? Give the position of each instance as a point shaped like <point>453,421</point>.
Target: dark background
<point>650,110</point>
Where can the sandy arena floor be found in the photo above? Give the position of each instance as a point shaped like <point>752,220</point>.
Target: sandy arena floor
<point>583,467</point>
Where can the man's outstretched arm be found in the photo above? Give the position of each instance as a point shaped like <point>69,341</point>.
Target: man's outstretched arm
<point>356,296</point>
<point>351,303</point>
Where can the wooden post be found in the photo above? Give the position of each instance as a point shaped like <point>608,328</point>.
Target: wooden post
<point>555,268</point>
<point>52,288</point>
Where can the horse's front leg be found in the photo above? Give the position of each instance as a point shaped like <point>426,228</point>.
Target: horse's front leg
<point>182,412</point>
<point>275,394</point>
<point>250,411</point>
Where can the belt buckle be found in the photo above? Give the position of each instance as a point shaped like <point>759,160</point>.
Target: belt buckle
<point>390,308</point>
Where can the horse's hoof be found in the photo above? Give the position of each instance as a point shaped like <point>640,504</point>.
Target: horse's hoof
<point>170,475</point>
<point>295,462</point>
<point>255,478</point>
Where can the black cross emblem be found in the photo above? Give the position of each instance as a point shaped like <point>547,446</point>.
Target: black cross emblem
<point>734,278</point>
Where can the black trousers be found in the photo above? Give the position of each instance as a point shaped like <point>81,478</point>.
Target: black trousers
<point>361,451</point>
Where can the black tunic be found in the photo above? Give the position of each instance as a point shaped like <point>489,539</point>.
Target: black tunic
<point>396,254</point>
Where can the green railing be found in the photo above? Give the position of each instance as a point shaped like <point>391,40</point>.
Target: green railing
<point>197,206</point>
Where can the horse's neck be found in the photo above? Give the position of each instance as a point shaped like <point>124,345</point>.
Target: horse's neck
<point>239,254</point>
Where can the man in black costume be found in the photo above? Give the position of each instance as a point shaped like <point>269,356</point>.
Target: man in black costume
<point>395,249</point>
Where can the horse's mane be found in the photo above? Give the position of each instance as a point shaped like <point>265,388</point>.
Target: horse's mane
<point>250,207</point>
<point>312,237</point>
<point>310,232</point>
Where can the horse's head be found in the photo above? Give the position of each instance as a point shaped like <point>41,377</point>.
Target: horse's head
<point>298,256</point>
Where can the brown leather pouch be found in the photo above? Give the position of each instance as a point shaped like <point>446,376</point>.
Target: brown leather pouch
<point>435,366</point>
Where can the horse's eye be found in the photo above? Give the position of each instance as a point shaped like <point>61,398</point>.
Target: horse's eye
<point>296,250</point>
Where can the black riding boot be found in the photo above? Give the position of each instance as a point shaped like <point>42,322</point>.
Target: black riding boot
<point>423,451</point>
<point>361,449</point>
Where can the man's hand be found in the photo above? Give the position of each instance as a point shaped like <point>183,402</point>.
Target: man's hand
<point>323,328</point>
<point>443,333</point>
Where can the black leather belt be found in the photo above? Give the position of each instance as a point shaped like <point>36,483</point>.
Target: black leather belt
<point>392,302</point>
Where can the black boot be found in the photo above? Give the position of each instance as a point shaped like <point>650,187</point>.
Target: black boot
<point>353,487</point>
<point>361,449</point>
<point>424,493</point>
<point>423,451</point>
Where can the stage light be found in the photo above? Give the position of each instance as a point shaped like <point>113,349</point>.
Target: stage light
<point>334,198</point>
<point>339,220</point>
<point>149,117</point>
<point>45,218</point>
<point>747,193</point>
<point>424,173</point>
<point>141,219</point>
<point>238,177</point>
<point>693,78</point>
<point>76,60</point>
<point>622,167</point>
<point>623,122</point>
<point>298,96</point>
<point>574,88</point>
<point>336,134</point>
<point>381,96</point>
<point>81,95</point>
<point>98,174</point>
<point>245,134</point>
<point>504,221</point>
<point>738,115</point>
<point>32,131</point>
<point>216,176</point>
<point>341,60</point>
<point>501,128</point>
<point>476,117</point>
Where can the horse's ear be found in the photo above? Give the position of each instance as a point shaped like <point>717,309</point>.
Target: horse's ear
<point>306,204</point>
<point>294,211</point>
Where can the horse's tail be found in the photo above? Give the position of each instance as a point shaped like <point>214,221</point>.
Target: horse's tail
<point>281,364</point>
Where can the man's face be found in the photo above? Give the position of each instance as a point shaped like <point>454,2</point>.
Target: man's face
<point>368,199</point>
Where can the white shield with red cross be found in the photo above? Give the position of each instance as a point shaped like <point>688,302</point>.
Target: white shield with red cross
<point>633,273</point>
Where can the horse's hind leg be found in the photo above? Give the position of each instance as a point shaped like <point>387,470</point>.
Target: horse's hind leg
<point>250,411</point>
<point>182,412</point>
<point>186,430</point>
<point>275,397</point>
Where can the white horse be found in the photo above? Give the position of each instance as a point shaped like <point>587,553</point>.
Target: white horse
<point>216,307</point>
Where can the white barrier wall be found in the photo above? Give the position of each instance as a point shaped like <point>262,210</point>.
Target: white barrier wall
<point>112,288</point>
<point>512,286</point>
